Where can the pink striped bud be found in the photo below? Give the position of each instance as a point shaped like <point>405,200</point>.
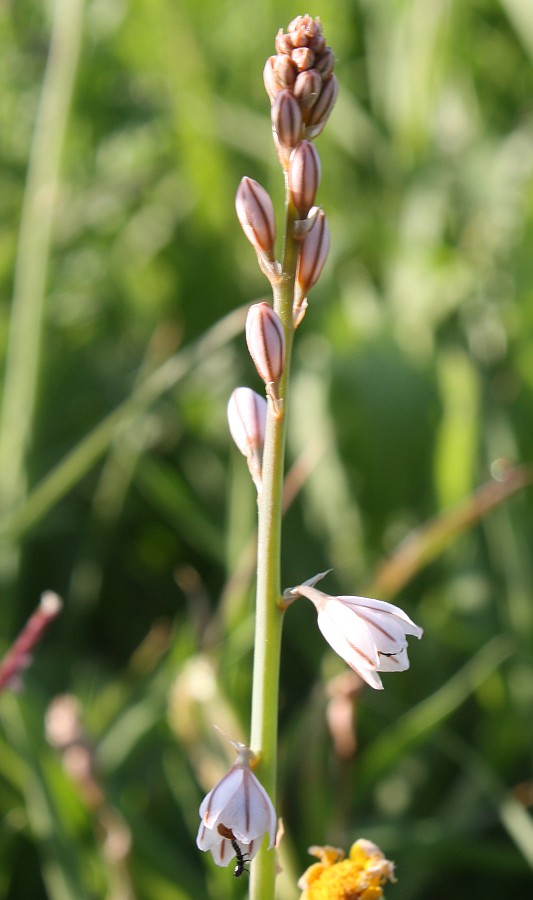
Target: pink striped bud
<point>307,88</point>
<point>272,86</point>
<point>313,255</point>
<point>266,342</point>
<point>304,176</point>
<point>256,215</point>
<point>287,119</point>
<point>321,110</point>
<point>285,71</point>
<point>325,63</point>
<point>317,43</point>
<point>247,413</point>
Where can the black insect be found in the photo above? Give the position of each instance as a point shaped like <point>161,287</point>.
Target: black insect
<point>242,858</point>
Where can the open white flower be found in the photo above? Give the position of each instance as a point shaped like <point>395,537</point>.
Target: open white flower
<point>236,815</point>
<point>370,635</point>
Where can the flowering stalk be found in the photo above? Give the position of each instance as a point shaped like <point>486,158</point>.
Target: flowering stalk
<point>288,116</point>
<point>370,635</point>
<point>302,89</point>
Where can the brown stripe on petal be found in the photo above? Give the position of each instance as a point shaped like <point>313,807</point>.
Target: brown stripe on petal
<point>379,628</point>
<point>368,661</point>
<point>246,790</point>
<point>266,246</point>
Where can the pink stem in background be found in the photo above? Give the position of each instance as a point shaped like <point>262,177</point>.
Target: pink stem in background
<point>18,657</point>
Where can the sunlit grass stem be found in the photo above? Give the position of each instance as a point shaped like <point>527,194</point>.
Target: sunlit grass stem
<point>35,237</point>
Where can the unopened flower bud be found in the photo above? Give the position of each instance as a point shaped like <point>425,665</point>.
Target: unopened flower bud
<point>266,342</point>
<point>256,215</point>
<point>304,176</point>
<point>325,63</point>
<point>303,58</point>
<point>307,88</point>
<point>247,413</point>
<point>287,119</point>
<point>285,71</point>
<point>313,255</point>
<point>272,86</point>
<point>317,44</point>
<point>283,42</point>
<point>321,110</point>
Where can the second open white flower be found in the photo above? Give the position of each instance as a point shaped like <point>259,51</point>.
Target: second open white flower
<point>369,635</point>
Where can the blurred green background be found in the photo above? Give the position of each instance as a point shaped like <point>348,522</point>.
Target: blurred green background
<point>123,277</point>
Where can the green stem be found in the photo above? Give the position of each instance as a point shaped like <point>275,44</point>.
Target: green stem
<point>37,218</point>
<point>269,616</point>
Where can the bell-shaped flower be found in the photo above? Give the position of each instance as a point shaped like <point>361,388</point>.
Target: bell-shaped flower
<point>236,815</point>
<point>369,635</point>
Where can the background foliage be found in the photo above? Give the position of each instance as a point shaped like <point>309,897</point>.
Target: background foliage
<point>413,387</point>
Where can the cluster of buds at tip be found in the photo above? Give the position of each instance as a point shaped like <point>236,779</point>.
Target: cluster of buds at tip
<point>265,337</point>
<point>301,85</point>
<point>256,215</point>
<point>247,412</point>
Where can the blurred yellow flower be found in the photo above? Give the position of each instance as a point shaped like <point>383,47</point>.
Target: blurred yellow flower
<point>360,877</point>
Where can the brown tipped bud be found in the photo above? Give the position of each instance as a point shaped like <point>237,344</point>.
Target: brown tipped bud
<point>285,71</point>
<point>266,341</point>
<point>283,43</point>
<point>325,63</point>
<point>303,58</point>
<point>313,255</point>
<point>303,30</point>
<point>247,412</point>
<point>320,112</point>
<point>304,176</point>
<point>307,88</point>
<point>256,215</point>
<point>287,119</point>
<point>296,32</point>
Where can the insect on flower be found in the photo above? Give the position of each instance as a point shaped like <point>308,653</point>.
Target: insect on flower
<point>242,858</point>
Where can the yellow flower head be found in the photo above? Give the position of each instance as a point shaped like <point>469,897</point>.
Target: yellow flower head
<point>360,877</point>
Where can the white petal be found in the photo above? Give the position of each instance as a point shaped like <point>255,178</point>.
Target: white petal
<point>363,664</point>
<point>221,795</point>
<point>388,609</point>
<point>398,662</point>
<point>353,629</point>
<point>250,813</point>
<point>220,848</point>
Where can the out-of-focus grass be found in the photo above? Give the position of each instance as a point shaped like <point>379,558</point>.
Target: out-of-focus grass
<point>413,378</point>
